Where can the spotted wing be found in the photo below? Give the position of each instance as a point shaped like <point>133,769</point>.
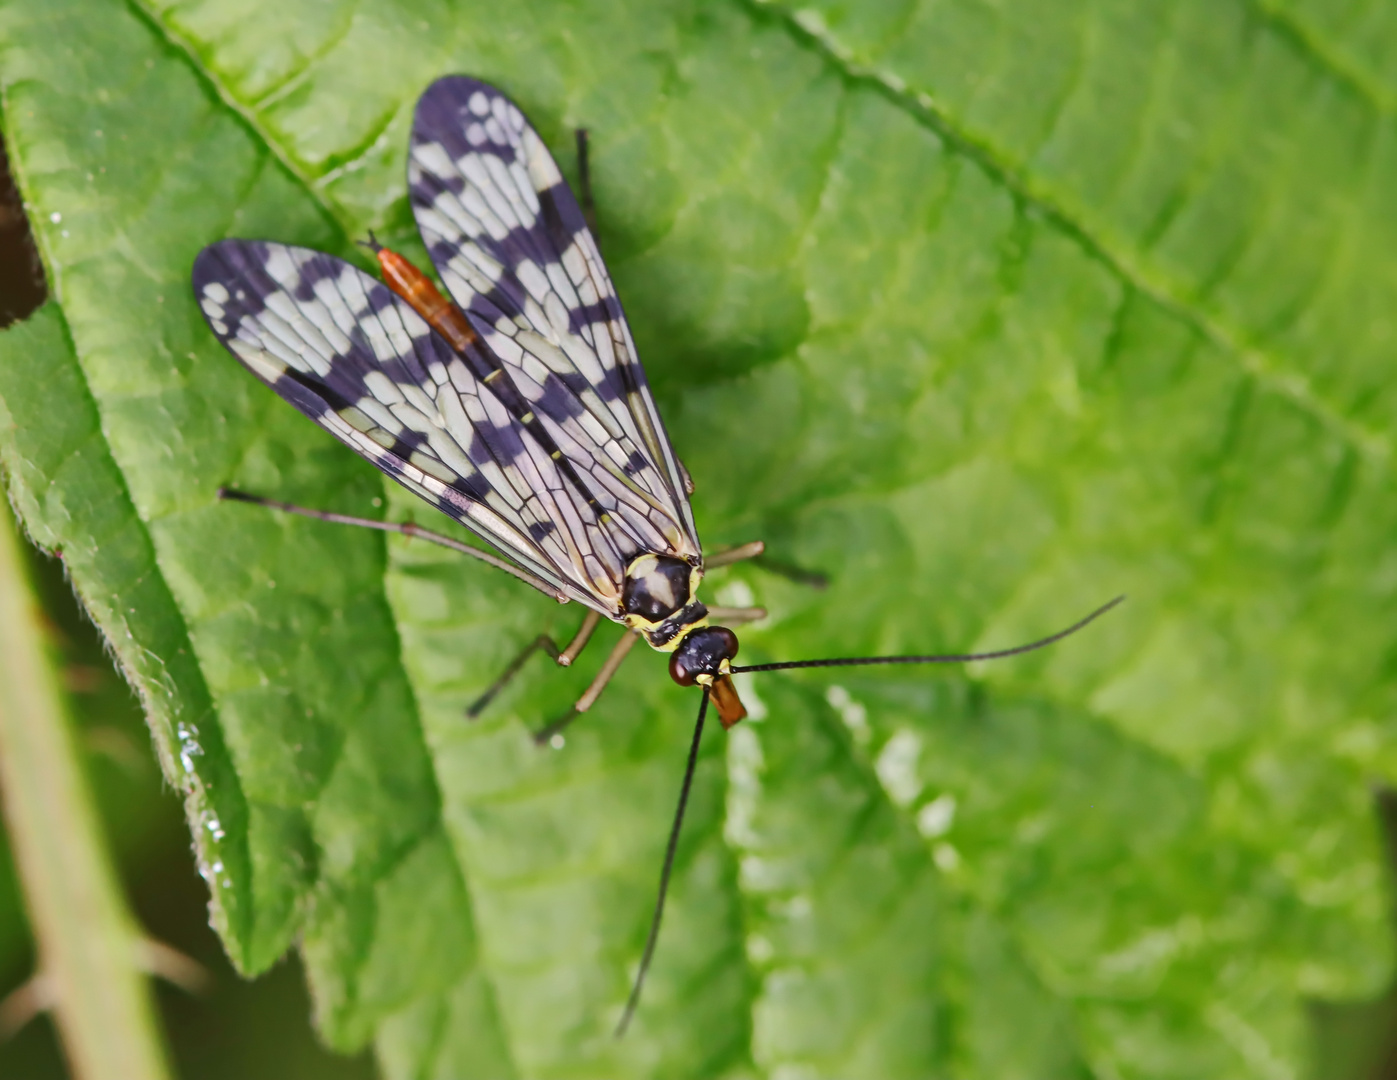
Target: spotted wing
<point>514,250</point>
<point>345,351</point>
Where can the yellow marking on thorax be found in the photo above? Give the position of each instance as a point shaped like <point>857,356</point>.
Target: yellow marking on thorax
<point>642,626</point>
<point>641,567</point>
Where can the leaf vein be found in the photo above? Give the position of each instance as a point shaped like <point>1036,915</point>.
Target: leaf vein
<point>1267,368</point>
<point>245,113</point>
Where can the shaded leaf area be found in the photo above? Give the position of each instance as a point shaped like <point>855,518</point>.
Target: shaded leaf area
<point>985,357</point>
<point>233,1029</point>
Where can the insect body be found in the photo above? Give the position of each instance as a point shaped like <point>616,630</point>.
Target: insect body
<point>517,407</point>
<point>658,598</point>
<point>520,409</point>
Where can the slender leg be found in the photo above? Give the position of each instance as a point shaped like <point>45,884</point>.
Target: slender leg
<point>736,616</point>
<point>580,639</point>
<point>756,551</point>
<point>584,181</point>
<point>800,576</point>
<point>563,657</point>
<point>406,528</point>
<point>743,551</point>
<point>547,733</point>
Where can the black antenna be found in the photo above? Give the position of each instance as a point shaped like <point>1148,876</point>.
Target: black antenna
<point>950,658</point>
<point>371,243</point>
<point>634,999</point>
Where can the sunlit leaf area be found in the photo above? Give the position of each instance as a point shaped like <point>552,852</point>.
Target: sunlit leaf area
<point>986,312</point>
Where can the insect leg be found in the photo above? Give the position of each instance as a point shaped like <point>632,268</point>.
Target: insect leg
<point>584,181</point>
<point>736,616</point>
<point>563,657</point>
<point>406,528</point>
<point>799,575</point>
<point>580,639</point>
<point>743,551</point>
<point>756,551</point>
<point>589,697</point>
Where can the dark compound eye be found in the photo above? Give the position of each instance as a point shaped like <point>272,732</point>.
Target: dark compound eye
<point>702,653</point>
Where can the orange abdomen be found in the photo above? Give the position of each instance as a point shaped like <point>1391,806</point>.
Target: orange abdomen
<point>417,289</point>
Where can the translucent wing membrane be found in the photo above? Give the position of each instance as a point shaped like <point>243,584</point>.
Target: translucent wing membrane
<point>540,434</point>
<point>514,251</point>
<point>349,354</point>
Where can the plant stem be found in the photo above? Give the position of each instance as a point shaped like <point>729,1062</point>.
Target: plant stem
<point>87,940</point>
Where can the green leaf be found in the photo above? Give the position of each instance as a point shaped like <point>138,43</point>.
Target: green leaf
<point>988,312</point>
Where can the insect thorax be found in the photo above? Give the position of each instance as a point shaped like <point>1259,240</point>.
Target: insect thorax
<point>658,599</point>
